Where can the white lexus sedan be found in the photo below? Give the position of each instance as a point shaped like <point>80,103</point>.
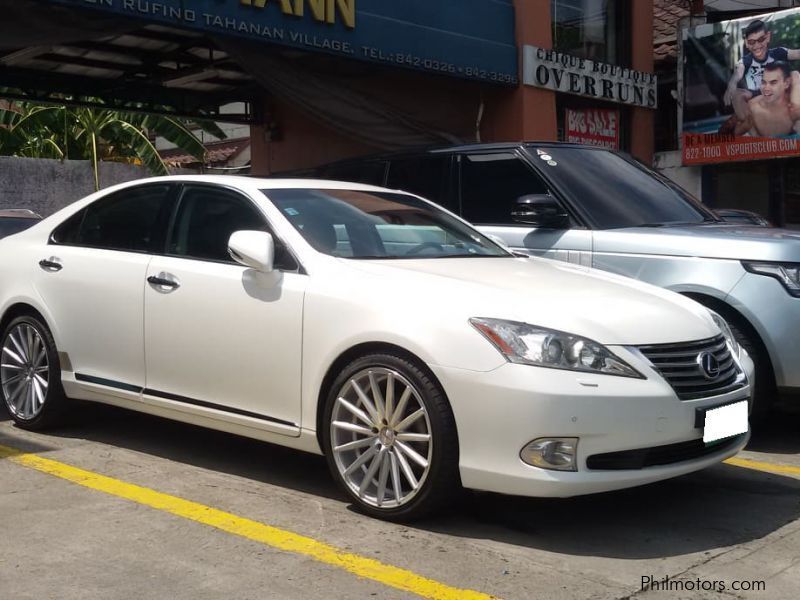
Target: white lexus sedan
<point>369,325</point>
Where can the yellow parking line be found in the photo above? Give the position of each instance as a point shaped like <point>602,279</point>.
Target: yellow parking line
<point>281,539</point>
<point>763,466</point>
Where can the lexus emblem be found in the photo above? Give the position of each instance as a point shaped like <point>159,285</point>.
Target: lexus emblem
<point>708,364</point>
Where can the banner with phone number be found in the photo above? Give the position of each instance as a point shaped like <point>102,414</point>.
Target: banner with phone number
<point>741,89</point>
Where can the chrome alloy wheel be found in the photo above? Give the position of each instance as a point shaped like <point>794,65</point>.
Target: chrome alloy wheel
<point>381,437</point>
<point>24,371</point>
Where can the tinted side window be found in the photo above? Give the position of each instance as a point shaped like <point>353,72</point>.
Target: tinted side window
<point>491,183</point>
<point>370,172</point>
<point>425,176</point>
<point>69,231</point>
<point>206,219</point>
<point>128,220</point>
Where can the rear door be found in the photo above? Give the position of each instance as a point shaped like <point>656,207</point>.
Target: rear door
<point>92,278</point>
<point>490,184</point>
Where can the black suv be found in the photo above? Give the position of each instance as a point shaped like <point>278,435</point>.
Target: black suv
<point>541,184</point>
<point>460,178</point>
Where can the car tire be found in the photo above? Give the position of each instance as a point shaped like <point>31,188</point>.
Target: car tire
<point>390,438</point>
<point>763,390</point>
<point>30,374</point>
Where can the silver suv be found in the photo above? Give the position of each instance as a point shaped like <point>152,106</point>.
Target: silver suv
<point>602,209</point>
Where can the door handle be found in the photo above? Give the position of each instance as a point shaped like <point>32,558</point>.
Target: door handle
<point>51,264</point>
<point>162,281</point>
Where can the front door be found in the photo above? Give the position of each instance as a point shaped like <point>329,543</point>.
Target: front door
<point>218,335</point>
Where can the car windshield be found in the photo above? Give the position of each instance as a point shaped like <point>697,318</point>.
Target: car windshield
<point>363,225</point>
<point>14,225</point>
<point>613,191</point>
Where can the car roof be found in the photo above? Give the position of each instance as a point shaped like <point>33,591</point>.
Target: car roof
<point>18,213</point>
<point>453,149</point>
<point>250,183</point>
<point>510,146</point>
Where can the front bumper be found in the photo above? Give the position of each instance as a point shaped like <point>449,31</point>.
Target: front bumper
<point>499,412</point>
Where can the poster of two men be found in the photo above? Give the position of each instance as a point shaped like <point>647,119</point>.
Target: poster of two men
<point>741,94</point>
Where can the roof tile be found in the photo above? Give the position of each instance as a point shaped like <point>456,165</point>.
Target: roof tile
<point>666,17</point>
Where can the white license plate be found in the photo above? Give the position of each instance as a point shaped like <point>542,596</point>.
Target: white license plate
<point>725,421</point>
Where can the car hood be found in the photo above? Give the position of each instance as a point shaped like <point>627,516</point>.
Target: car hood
<point>718,240</point>
<point>602,306</point>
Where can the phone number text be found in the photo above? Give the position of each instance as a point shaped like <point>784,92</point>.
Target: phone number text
<point>428,64</point>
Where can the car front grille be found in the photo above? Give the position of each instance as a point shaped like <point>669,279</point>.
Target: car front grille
<point>658,455</point>
<point>680,365</point>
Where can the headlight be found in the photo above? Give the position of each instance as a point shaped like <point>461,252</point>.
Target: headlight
<point>726,331</point>
<point>530,345</point>
<point>787,273</point>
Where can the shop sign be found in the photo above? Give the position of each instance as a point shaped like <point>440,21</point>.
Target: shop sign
<point>593,126</point>
<point>414,34</point>
<point>741,89</point>
<point>573,75</point>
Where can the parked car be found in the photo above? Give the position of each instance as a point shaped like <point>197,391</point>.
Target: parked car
<point>744,217</point>
<point>599,208</point>
<point>372,326</point>
<point>14,220</point>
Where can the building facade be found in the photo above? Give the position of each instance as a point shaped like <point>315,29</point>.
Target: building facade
<point>582,72</point>
<point>329,79</point>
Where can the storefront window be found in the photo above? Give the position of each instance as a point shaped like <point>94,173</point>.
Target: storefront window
<point>593,29</point>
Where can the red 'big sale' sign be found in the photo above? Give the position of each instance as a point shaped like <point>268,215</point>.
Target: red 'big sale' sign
<point>593,126</point>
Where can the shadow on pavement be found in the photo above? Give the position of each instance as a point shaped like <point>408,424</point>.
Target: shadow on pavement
<point>715,508</point>
<point>205,448</point>
<point>778,434</point>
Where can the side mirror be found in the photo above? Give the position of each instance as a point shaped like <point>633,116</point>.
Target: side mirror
<point>541,210</point>
<point>254,249</point>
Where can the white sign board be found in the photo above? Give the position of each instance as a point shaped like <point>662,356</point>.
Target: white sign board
<point>573,75</point>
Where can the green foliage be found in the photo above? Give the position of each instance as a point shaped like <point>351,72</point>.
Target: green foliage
<point>95,134</point>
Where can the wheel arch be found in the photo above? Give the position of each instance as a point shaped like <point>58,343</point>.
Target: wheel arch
<point>363,349</point>
<point>23,306</point>
<point>19,309</point>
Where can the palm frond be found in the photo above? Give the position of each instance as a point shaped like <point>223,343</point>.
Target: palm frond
<point>211,128</point>
<point>10,142</point>
<point>175,132</point>
<point>144,148</point>
<point>9,116</point>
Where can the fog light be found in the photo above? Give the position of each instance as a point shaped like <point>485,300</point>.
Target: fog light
<point>551,453</point>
